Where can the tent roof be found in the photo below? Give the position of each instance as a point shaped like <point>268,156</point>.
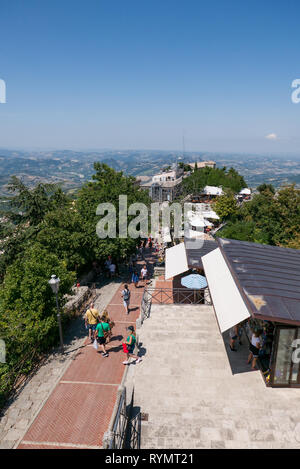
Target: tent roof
<point>268,278</point>
<point>196,248</point>
<point>228,303</point>
<point>176,261</point>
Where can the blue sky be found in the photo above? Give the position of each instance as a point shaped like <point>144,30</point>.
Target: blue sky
<point>141,74</point>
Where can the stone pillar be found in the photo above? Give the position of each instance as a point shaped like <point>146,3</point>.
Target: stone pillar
<point>207,297</point>
<point>107,437</point>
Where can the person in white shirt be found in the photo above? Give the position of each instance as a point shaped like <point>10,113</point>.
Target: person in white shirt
<point>144,273</point>
<point>255,345</point>
<point>126,298</point>
<point>112,270</point>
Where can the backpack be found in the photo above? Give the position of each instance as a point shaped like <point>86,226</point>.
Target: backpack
<point>126,294</point>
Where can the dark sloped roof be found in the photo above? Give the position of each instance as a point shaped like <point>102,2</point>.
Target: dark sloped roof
<point>194,252</point>
<point>268,278</point>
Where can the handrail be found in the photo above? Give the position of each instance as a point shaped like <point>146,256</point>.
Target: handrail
<point>154,295</point>
<point>175,296</point>
<point>116,438</point>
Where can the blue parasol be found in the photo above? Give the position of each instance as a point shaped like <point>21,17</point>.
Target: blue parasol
<point>194,282</point>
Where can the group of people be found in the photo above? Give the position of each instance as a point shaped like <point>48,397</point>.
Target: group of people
<point>111,267</point>
<point>100,332</point>
<point>100,326</point>
<point>135,275</point>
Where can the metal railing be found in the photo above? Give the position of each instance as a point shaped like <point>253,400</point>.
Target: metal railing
<point>176,296</point>
<point>162,296</point>
<point>145,305</point>
<point>134,432</point>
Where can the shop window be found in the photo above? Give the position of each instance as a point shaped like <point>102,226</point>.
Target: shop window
<point>283,365</point>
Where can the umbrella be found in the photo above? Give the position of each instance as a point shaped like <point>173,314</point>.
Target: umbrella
<point>194,282</point>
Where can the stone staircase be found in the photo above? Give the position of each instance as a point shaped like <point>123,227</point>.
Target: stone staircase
<point>167,380</point>
<point>192,400</point>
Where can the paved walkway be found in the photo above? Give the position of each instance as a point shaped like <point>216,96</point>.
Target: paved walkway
<point>69,402</point>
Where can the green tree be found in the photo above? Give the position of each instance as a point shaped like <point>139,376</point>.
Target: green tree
<point>30,205</point>
<point>228,179</point>
<point>226,206</point>
<point>266,187</point>
<point>107,186</point>
<point>28,322</point>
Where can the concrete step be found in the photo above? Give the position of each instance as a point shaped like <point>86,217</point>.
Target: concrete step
<point>188,436</point>
<point>207,418</point>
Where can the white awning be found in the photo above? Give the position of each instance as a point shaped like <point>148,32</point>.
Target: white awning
<point>213,190</point>
<point>228,303</point>
<point>176,261</point>
<point>245,191</point>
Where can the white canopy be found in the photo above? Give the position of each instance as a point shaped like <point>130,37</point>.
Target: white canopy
<point>228,303</point>
<point>211,214</point>
<point>213,190</point>
<point>176,261</point>
<point>197,222</point>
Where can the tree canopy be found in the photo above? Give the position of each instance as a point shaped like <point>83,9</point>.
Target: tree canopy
<point>269,218</point>
<point>44,233</point>
<point>220,177</point>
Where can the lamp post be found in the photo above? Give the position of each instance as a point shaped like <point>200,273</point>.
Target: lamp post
<point>54,284</point>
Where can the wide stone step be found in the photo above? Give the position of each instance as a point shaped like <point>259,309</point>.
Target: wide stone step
<point>189,436</point>
<point>207,418</point>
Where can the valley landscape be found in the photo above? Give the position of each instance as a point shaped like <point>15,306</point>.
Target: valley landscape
<point>71,169</point>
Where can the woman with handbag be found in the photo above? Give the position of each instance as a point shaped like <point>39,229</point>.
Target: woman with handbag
<point>128,346</point>
<point>110,322</point>
<point>102,330</point>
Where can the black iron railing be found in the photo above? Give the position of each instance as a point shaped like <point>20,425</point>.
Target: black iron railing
<point>176,296</point>
<point>134,432</point>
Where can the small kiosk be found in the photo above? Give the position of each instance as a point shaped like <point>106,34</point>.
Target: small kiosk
<point>259,286</point>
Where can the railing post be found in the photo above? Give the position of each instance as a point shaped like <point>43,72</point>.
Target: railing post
<point>107,439</point>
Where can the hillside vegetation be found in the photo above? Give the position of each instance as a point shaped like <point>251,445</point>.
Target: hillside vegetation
<point>45,232</point>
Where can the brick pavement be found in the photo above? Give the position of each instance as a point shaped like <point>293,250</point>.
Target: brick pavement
<point>78,411</point>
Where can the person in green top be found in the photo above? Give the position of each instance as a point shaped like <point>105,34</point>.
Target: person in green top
<point>130,344</point>
<point>101,329</point>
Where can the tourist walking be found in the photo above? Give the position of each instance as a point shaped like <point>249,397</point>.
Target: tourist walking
<point>233,335</point>
<point>91,320</point>
<point>141,251</point>
<point>135,278</point>
<point>144,273</point>
<point>130,268</point>
<point>254,347</point>
<point>125,293</point>
<point>102,330</point>
<point>106,318</point>
<point>129,345</point>
<point>107,266</point>
<point>112,270</point>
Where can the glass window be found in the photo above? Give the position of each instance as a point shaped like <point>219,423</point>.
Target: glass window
<point>295,377</point>
<point>284,356</point>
